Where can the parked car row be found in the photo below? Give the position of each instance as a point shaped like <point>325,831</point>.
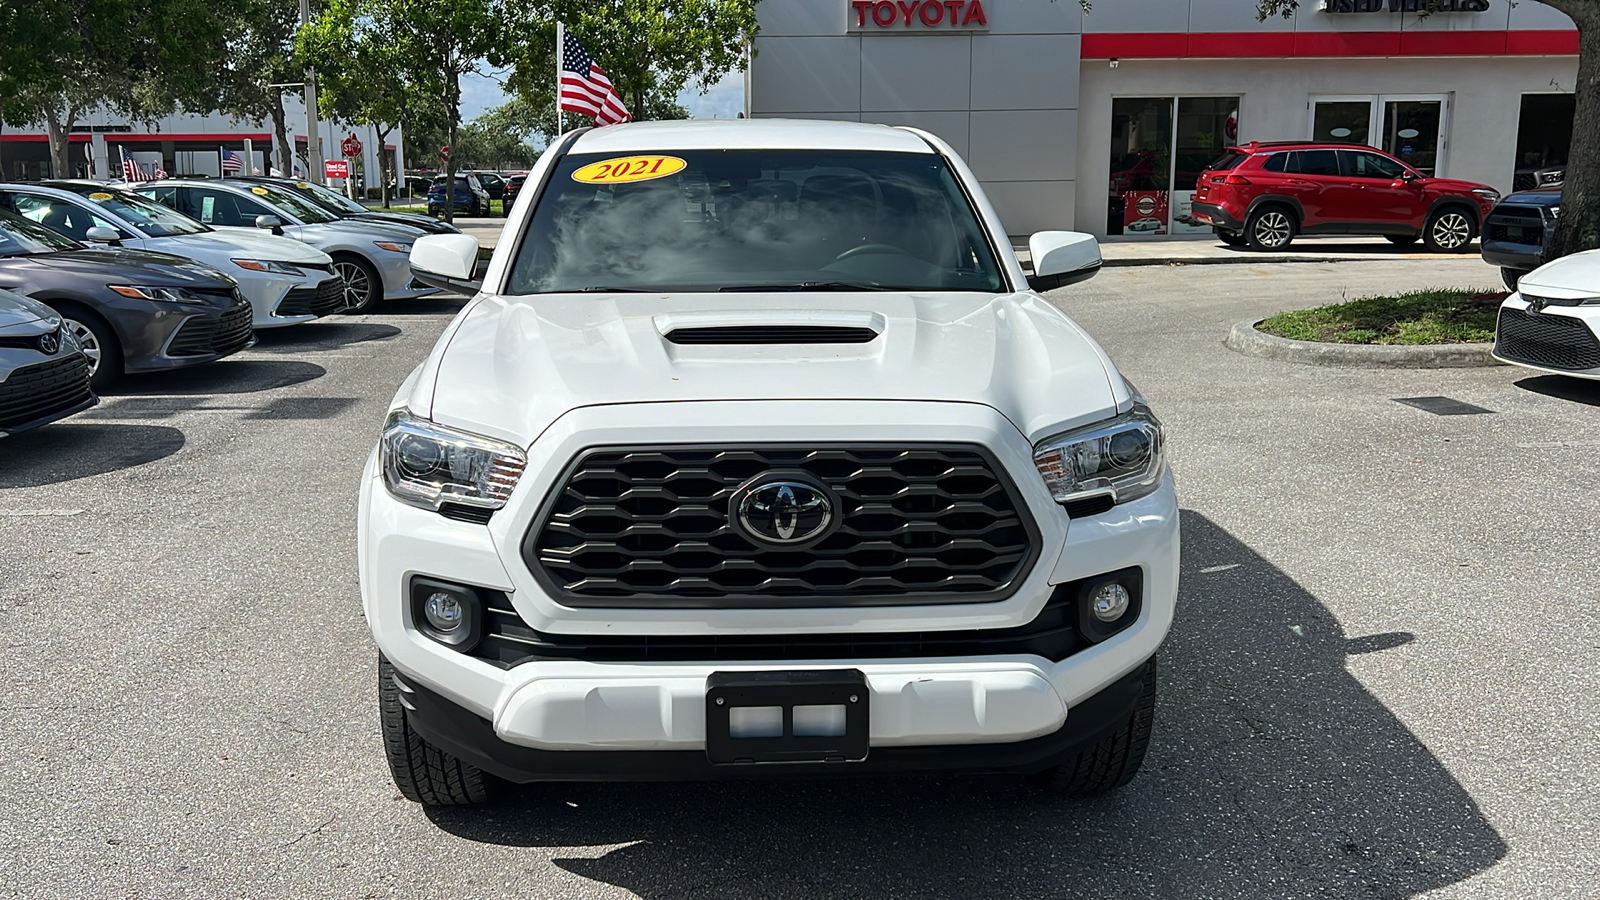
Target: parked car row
<point>1266,194</point>
<point>101,281</point>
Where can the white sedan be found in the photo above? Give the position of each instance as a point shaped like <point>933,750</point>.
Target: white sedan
<point>286,282</point>
<point>1552,321</point>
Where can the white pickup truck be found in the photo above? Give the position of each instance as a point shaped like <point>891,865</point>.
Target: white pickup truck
<point>757,453</point>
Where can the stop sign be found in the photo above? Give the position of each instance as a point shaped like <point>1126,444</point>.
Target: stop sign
<point>350,146</point>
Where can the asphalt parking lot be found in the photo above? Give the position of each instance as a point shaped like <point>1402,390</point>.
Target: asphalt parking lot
<point>1382,681</point>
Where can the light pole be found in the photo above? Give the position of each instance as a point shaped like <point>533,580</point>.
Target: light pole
<point>313,143</point>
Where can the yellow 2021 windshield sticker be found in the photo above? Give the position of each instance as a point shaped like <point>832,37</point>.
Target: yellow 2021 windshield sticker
<point>629,168</point>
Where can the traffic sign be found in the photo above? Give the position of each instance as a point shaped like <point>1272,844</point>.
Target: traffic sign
<point>336,168</point>
<point>350,146</point>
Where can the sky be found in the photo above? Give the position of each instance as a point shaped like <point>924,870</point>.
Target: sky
<point>724,99</point>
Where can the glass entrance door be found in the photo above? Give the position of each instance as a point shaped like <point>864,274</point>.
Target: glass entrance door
<point>1412,128</point>
<point>1409,126</point>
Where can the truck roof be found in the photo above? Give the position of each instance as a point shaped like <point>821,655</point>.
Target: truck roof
<point>748,134</point>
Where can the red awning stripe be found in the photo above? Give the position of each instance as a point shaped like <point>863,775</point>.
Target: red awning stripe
<point>1321,44</point>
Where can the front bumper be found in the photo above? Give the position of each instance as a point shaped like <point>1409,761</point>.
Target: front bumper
<point>1507,255</point>
<point>469,737</point>
<point>580,706</point>
<point>395,270</point>
<point>1562,340</point>
<point>266,292</point>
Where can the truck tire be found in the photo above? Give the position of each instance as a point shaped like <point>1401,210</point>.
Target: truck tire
<point>424,773</point>
<point>1511,277</point>
<point>1112,761</point>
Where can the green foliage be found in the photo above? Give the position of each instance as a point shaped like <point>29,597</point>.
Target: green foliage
<point>650,49</point>
<point>140,58</point>
<point>1435,316</point>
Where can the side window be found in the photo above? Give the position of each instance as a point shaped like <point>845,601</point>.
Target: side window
<point>1275,162</point>
<point>61,216</point>
<point>166,196</point>
<point>1360,164</point>
<point>215,207</point>
<point>1319,162</point>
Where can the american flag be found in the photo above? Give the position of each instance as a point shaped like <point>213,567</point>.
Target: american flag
<point>130,167</point>
<point>159,173</point>
<point>585,89</point>
<point>231,162</point>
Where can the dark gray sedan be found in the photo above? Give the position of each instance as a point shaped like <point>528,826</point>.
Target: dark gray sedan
<point>130,311</point>
<point>43,373</point>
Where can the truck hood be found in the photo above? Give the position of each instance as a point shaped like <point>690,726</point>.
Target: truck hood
<point>513,365</point>
<point>1575,277</point>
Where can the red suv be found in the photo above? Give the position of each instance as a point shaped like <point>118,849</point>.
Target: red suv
<point>1265,194</point>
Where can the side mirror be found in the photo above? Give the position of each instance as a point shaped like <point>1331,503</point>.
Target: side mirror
<point>1061,258</point>
<point>270,223</point>
<point>100,234</point>
<point>446,261</point>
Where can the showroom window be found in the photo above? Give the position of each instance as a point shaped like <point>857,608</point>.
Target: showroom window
<point>1543,135</point>
<point>1159,147</point>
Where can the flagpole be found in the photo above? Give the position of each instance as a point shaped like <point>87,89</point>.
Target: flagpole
<point>561,42</point>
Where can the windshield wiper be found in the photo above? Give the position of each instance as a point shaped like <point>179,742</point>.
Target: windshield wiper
<point>604,289</point>
<point>807,286</point>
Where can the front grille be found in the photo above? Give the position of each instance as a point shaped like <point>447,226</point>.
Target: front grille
<point>651,526</point>
<point>1515,225</point>
<point>772,334</point>
<point>508,641</point>
<point>34,392</point>
<point>207,336</point>
<point>324,299</point>
<point>1549,341</point>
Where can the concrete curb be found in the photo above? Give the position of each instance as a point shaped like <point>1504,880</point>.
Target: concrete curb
<point>1224,260</point>
<point>1244,338</point>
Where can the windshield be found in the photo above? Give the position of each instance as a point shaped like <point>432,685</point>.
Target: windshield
<point>296,205</point>
<point>148,216</point>
<point>23,237</point>
<point>328,198</point>
<point>754,220</point>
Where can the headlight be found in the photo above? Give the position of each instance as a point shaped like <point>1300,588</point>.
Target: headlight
<point>1487,194</point>
<point>267,265</point>
<point>392,247</point>
<point>1122,458</point>
<point>164,294</point>
<point>427,465</point>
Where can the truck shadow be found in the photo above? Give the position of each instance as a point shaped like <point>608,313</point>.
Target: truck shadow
<point>1272,773</point>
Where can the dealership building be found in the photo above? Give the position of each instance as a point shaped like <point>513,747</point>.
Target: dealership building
<point>1100,121</point>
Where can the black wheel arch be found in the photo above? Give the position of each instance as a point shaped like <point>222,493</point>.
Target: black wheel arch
<point>1277,200</point>
<point>1467,206</point>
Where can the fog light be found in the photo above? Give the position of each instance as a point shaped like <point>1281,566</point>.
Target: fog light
<point>1109,602</point>
<point>444,611</point>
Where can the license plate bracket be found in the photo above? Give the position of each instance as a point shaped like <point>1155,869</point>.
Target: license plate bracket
<point>820,690</point>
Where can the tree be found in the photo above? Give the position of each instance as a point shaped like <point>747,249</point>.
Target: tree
<point>434,43</point>
<point>140,58</point>
<point>1578,228</point>
<point>261,54</point>
<point>364,77</point>
<point>650,49</point>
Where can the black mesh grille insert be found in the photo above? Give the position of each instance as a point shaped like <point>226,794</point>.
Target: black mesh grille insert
<point>772,334</point>
<point>34,392</point>
<point>1543,339</point>
<point>324,299</point>
<point>205,336</point>
<point>651,527</point>
<point>507,640</point>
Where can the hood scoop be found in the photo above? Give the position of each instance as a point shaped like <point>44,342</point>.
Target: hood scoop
<point>772,334</point>
<point>746,327</point>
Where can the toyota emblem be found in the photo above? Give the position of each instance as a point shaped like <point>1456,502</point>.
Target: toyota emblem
<point>50,343</point>
<point>783,512</point>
